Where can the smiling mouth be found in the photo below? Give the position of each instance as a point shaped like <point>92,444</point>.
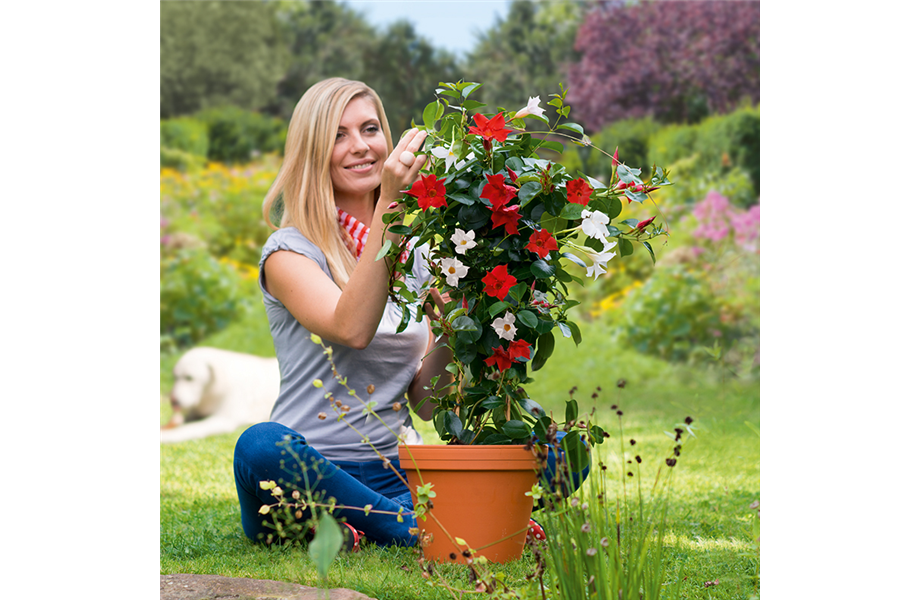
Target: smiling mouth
<point>362,165</point>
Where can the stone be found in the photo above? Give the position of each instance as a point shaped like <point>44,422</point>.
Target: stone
<point>212,587</point>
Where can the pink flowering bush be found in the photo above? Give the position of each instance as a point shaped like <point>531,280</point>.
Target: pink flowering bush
<point>719,219</point>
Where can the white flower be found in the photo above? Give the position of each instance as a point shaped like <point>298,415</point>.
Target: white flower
<point>450,158</point>
<point>463,241</point>
<point>532,108</point>
<point>504,326</point>
<point>454,270</point>
<point>600,259</point>
<point>594,224</point>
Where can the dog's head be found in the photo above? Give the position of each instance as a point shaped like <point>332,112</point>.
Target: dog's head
<point>191,377</point>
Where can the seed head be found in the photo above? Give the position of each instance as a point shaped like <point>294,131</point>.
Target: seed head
<point>670,461</point>
<point>621,383</point>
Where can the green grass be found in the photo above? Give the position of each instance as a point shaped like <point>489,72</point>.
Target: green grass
<point>712,532</point>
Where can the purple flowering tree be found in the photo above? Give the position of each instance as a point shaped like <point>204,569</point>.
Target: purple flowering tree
<point>675,61</point>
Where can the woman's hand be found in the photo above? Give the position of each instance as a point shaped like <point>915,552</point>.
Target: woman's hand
<point>397,176</point>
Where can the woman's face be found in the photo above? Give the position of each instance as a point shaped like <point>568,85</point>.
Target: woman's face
<point>359,152</point>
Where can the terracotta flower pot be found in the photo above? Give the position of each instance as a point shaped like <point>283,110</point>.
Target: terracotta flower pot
<point>480,498</point>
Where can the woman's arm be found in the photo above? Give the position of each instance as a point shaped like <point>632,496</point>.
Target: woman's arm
<point>432,366</point>
<point>347,316</point>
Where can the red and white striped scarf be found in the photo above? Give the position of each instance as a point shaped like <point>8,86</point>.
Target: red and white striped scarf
<point>354,229</point>
<point>358,231</point>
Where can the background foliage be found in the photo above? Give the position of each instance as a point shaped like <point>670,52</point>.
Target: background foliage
<point>673,85</point>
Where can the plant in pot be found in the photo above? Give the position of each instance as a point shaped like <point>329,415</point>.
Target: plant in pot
<point>508,231</point>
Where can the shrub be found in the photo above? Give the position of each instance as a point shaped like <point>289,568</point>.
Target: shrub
<point>173,158</point>
<point>186,134</point>
<point>236,135</point>
<point>674,315</point>
<point>199,295</point>
<point>719,144</point>
<point>220,205</point>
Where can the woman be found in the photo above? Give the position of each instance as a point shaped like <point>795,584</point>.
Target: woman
<point>319,275</point>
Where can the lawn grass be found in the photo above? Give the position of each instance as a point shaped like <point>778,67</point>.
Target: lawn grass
<point>712,531</point>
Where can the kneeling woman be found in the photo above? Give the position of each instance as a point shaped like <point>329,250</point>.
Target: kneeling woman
<point>318,275</point>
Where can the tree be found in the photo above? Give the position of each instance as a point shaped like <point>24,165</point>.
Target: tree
<point>405,69</point>
<point>527,53</point>
<point>675,61</point>
<point>217,53</point>
<point>326,39</point>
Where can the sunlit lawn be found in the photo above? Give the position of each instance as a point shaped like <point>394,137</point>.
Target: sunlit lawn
<point>713,527</point>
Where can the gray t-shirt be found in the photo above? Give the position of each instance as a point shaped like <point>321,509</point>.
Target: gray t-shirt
<point>389,363</point>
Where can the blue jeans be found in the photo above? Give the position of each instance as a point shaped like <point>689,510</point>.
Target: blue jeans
<point>271,451</point>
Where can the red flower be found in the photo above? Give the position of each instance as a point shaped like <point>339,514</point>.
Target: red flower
<point>578,191</point>
<point>498,282</point>
<point>503,359</point>
<point>430,192</point>
<point>497,192</point>
<point>500,359</point>
<point>489,129</point>
<point>519,349</point>
<point>511,174</point>
<point>507,216</point>
<point>542,242</point>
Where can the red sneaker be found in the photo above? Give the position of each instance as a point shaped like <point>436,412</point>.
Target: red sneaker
<point>352,538</point>
<point>535,532</point>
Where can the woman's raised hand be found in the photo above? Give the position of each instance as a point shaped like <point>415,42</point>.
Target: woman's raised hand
<point>397,175</point>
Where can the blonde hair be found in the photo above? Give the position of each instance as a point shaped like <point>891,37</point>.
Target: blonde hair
<point>304,182</point>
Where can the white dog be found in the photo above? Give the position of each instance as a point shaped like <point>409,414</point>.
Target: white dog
<point>217,391</point>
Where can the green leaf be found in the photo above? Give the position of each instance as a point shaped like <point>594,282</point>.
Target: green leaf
<point>516,429</point>
<point>469,87</point>
<point>574,259</point>
<point>528,319</point>
<point>572,211</point>
<point>493,402</point>
<point>576,453</point>
<point>553,145</point>
<point>430,115</point>
<point>404,321</point>
<point>517,292</point>
<point>545,345</point>
<point>650,251</point>
<point>497,308</point>
<point>625,247</point>
<point>400,230</point>
<point>532,408</point>
<point>576,332</point>
<point>464,323</point>
<point>566,332</point>
<point>473,105</point>
<point>572,127</point>
<point>571,410</point>
<point>326,544</point>
<point>528,191</point>
<point>542,269</point>
<point>452,424</point>
<point>383,251</point>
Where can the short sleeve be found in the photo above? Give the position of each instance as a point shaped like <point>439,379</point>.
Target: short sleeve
<point>292,240</point>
